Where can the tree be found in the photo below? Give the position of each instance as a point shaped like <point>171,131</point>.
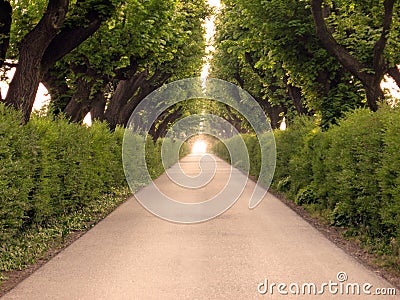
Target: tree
<point>102,56</point>
<point>59,31</point>
<point>143,46</point>
<point>181,57</point>
<point>276,39</point>
<point>234,61</point>
<point>5,27</point>
<point>370,67</point>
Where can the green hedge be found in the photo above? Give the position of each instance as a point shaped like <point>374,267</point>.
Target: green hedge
<point>52,173</point>
<point>349,174</point>
<point>156,164</point>
<point>51,168</point>
<point>235,143</point>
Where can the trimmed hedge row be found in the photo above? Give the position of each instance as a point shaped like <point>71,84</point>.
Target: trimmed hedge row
<point>157,162</point>
<point>50,169</point>
<point>349,174</point>
<point>235,143</point>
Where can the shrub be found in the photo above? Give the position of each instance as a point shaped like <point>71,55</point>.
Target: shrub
<point>54,174</point>
<point>290,163</point>
<point>349,173</point>
<point>17,153</point>
<point>353,159</point>
<point>389,177</point>
<point>51,168</point>
<point>237,157</point>
<point>305,196</point>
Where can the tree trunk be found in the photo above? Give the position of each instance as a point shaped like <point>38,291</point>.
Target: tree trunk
<point>66,41</point>
<point>87,21</point>
<point>129,93</point>
<point>124,91</point>
<point>374,93</point>
<point>99,106</point>
<point>81,101</point>
<point>233,118</point>
<point>126,112</point>
<point>24,85</point>
<point>163,124</point>
<point>59,90</point>
<point>148,86</point>
<point>273,112</point>
<point>47,43</point>
<point>295,94</point>
<point>371,82</point>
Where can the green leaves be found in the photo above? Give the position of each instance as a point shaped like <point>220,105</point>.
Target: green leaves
<point>280,37</point>
<point>26,14</point>
<point>349,174</point>
<point>57,178</point>
<point>51,167</point>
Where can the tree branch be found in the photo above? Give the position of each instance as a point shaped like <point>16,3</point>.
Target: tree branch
<point>379,47</point>
<point>24,85</point>
<point>326,38</point>
<point>70,37</point>
<point>11,65</point>
<point>128,71</point>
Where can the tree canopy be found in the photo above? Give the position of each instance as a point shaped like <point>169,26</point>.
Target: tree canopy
<point>100,56</point>
<point>309,57</point>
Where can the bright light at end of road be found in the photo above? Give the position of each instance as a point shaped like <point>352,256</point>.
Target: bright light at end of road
<point>199,147</point>
<point>214,3</point>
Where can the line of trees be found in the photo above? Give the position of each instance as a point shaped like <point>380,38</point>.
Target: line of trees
<point>309,57</point>
<point>98,56</point>
<point>104,56</point>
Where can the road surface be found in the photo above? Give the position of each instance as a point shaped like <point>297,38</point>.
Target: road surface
<point>134,255</point>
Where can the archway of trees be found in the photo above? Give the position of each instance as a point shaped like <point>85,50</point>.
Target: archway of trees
<point>312,57</point>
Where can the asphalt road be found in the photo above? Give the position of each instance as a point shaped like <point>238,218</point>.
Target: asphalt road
<point>134,255</point>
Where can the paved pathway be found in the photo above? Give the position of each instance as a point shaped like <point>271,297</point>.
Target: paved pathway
<point>134,255</point>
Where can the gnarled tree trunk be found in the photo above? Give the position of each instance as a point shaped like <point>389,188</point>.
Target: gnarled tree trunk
<point>370,81</point>
<point>81,101</point>
<point>24,85</point>
<point>123,93</point>
<point>98,106</point>
<point>295,94</point>
<point>48,42</point>
<point>59,90</point>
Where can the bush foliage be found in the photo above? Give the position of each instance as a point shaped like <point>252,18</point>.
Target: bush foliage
<point>52,175</point>
<point>349,173</point>
<point>52,168</point>
<point>241,160</point>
